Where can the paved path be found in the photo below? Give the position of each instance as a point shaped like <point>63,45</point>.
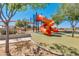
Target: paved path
<point>15,40</point>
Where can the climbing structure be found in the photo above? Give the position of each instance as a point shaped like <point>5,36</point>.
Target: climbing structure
<point>48,25</point>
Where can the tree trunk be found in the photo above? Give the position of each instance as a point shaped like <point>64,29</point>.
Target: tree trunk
<point>33,27</point>
<point>7,40</point>
<point>38,26</point>
<point>25,28</point>
<point>73,31</point>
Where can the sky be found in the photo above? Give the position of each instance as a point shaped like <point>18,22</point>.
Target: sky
<point>48,11</point>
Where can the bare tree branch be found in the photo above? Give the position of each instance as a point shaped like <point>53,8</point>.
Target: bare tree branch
<point>7,11</point>
<point>3,15</point>
<point>71,22</point>
<point>1,6</point>
<point>12,14</point>
<point>76,22</point>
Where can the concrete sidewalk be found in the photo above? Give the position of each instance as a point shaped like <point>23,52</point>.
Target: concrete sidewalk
<point>15,40</point>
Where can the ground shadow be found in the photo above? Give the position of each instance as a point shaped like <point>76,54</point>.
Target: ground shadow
<point>53,34</point>
<point>58,34</point>
<point>8,54</point>
<point>66,51</point>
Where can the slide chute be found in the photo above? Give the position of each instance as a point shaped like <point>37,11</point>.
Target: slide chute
<point>48,25</point>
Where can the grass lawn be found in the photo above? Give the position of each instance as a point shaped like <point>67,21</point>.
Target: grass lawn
<point>64,40</point>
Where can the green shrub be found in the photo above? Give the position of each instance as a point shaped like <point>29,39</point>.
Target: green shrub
<point>12,31</point>
<point>28,26</point>
<point>3,32</point>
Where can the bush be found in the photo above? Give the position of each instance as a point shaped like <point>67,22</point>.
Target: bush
<point>28,26</point>
<point>3,32</point>
<point>12,31</point>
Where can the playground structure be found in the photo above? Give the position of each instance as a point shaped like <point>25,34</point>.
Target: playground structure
<point>48,25</point>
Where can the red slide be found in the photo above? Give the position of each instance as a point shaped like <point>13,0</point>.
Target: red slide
<point>46,28</point>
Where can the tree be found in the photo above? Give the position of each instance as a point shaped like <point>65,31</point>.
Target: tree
<point>58,18</point>
<point>35,22</point>
<point>21,23</point>
<point>35,6</point>
<point>18,23</point>
<point>71,13</point>
<point>25,24</point>
<point>10,11</point>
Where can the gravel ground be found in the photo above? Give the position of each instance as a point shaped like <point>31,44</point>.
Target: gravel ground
<point>24,48</point>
